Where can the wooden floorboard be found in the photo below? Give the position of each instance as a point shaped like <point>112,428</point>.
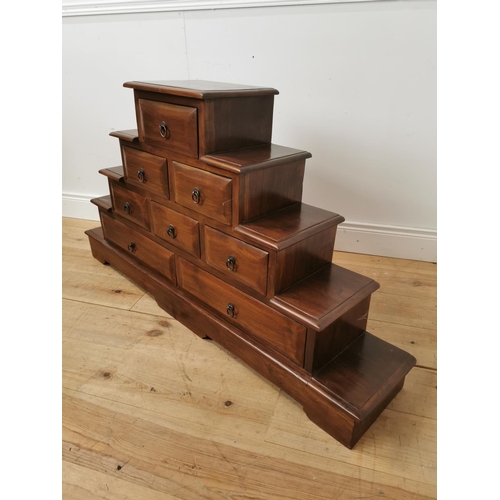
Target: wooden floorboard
<point>151,411</point>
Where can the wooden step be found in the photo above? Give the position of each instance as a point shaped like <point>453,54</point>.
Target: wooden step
<point>343,398</point>
<point>131,135</point>
<point>325,296</point>
<point>113,173</point>
<point>289,225</point>
<point>255,158</point>
<point>103,203</point>
<point>334,304</point>
<point>363,379</point>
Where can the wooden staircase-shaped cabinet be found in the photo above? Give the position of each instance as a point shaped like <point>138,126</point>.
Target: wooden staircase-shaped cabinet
<point>206,214</point>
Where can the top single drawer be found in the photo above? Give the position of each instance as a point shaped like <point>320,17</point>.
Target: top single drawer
<point>168,126</point>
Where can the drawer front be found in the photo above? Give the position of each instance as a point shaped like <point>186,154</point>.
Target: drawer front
<point>130,205</point>
<point>176,228</point>
<point>145,170</point>
<point>204,192</point>
<point>168,126</point>
<point>243,262</point>
<point>246,312</point>
<point>142,248</point>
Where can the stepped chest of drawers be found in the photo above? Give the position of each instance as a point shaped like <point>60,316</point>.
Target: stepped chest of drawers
<point>206,214</point>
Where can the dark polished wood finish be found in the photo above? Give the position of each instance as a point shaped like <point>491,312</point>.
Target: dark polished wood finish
<point>130,205</point>
<point>242,261</point>
<point>229,116</point>
<point>340,417</point>
<point>304,258</point>
<point>267,190</point>
<point>206,215</point>
<point>324,345</point>
<point>202,191</point>
<point>168,126</point>
<point>201,89</point>
<point>285,227</point>
<point>142,248</point>
<point>325,295</point>
<point>176,228</point>
<point>263,156</point>
<point>246,312</point>
<point>145,170</point>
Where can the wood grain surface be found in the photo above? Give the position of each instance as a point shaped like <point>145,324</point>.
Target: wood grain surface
<point>250,263</point>
<point>180,121</point>
<point>150,411</point>
<point>215,191</point>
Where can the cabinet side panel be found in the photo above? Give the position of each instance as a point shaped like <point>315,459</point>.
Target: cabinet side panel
<point>336,337</point>
<point>238,123</point>
<point>271,189</point>
<point>304,258</point>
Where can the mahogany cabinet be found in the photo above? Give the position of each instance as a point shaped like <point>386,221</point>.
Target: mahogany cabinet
<point>206,214</point>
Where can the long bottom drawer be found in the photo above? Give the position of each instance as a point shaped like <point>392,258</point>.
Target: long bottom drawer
<point>282,333</point>
<point>148,252</point>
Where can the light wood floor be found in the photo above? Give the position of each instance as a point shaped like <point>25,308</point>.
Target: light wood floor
<point>151,411</point>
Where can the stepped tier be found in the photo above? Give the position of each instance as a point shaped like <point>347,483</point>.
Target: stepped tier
<point>206,214</point>
<point>344,398</point>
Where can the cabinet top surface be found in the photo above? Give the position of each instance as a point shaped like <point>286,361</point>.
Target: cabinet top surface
<point>200,89</point>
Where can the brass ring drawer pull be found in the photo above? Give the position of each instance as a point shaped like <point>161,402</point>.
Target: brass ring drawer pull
<point>131,247</point>
<point>231,263</point>
<point>141,175</point>
<point>163,130</point>
<point>230,310</point>
<point>171,231</point>
<point>196,196</point>
<point>127,207</point>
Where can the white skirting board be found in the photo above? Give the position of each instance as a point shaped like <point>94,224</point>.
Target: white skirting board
<point>387,241</point>
<point>371,239</point>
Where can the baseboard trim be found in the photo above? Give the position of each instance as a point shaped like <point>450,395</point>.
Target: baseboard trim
<point>388,241</point>
<point>357,237</point>
<point>77,206</point>
<point>103,7</point>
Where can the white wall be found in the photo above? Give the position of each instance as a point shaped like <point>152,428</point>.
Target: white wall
<point>357,89</point>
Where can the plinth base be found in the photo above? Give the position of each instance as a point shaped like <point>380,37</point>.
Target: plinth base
<point>343,398</point>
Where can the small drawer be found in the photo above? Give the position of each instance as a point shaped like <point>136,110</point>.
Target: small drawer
<point>248,313</point>
<point>176,228</point>
<point>168,126</point>
<point>243,262</point>
<point>145,170</point>
<point>202,191</point>
<point>142,248</point>
<point>130,205</point>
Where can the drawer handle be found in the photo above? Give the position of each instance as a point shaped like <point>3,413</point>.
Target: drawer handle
<point>141,175</point>
<point>171,231</point>
<point>230,310</point>
<point>164,129</point>
<point>131,247</point>
<point>128,208</point>
<point>231,263</point>
<point>196,196</point>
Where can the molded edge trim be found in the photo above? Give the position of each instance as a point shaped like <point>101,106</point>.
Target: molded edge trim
<point>131,135</point>
<point>103,7</point>
<point>103,202</point>
<point>214,161</point>
<point>197,93</point>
